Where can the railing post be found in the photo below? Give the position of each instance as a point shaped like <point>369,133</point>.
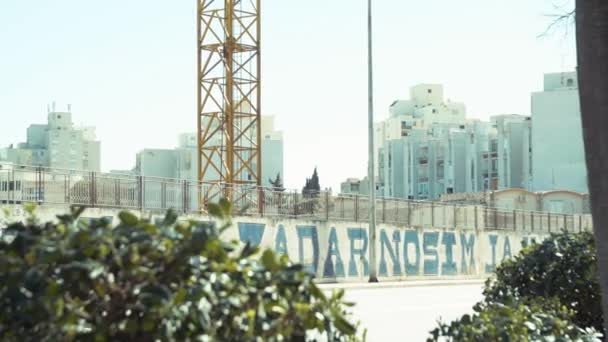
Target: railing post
<point>93,190</point>
<point>432,215</point>
<point>261,201</point>
<point>565,223</point>
<point>295,203</point>
<point>356,208</point>
<point>580,223</point>
<point>38,185</point>
<point>163,195</point>
<point>326,205</point>
<point>514,220</point>
<point>117,192</point>
<point>476,218</point>
<point>532,221</point>
<point>140,193</point>
<point>383,210</point>
<point>11,191</point>
<point>495,218</point>
<point>185,203</point>
<point>549,221</point>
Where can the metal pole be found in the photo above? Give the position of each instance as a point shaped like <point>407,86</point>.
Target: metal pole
<point>371,176</point>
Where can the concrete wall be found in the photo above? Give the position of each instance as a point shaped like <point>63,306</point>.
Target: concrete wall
<point>338,251</point>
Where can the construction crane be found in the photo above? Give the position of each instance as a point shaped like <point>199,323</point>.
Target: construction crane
<point>229,102</point>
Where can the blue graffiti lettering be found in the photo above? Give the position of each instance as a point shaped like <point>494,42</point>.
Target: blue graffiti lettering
<point>280,243</point>
<point>467,248</point>
<point>506,251</point>
<point>492,266</point>
<point>429,247</point>
<point>449,266</point>
<point>251,232</point>
<point>331,270</point>
<point>411,237</point>
<point>308,232</point>
<point>357,234</point>
<point>385,244</point>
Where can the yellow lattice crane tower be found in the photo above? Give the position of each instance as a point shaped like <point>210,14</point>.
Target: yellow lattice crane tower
<point>229,103</point>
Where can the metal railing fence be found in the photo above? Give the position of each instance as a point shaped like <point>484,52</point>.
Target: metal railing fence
<point>20,184</point>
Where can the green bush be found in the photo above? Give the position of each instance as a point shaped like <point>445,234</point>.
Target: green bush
<point>516,321</point>
<point>548,292</point>
<point>177,281</point>
<point>563,266</point>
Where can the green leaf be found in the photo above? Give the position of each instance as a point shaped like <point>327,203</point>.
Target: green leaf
<point>170,218</point>
<point>215,210</point>
<point>180,296</point>
<point>128,218</point>
<point>269,260</point>
<point>344,326</point>
<point>225,206</point>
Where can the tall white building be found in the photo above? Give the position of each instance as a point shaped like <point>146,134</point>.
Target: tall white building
<point>272,152</point>
<point>182,162</point>
<point>514,151</point>
<point>58,144</point>
<point>427,147</point>
<point>557,143</point>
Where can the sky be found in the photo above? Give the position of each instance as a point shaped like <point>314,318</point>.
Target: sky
<point>128,67</point>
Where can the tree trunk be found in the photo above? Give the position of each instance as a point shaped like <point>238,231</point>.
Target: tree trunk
<point>592,53</point>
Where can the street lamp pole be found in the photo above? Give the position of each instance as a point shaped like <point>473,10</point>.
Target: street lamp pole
<point>373,276</point>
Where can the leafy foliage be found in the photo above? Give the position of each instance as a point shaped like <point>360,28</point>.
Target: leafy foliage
<point>548,292</point>
<point>562,266</point>
<point>516,321</point>
<point>177,281</point>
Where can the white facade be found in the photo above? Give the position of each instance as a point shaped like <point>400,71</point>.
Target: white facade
<point>427,147</point>
<point>514,150</point>
<point>557,142</point>
<point>181,162</point>
<point>58,144</point>
<point>272,152</point>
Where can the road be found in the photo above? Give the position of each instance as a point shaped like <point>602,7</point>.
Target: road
<point>408,311</point>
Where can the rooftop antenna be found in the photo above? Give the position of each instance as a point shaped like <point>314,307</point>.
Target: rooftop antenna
<point>69,108</point>
<point>53,106</point>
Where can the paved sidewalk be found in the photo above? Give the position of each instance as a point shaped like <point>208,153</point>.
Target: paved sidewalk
<point>401,284</point>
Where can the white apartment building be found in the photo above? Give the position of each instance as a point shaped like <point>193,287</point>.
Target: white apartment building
<point>272,152</point>
<point>57,144</point>
<point>181,162</point>
<point>514,133</point>
<point>557,142</point>
<point>427,147</point>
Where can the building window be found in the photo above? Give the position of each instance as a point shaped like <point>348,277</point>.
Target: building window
<point>423,188</point>
<point>434,111</point>
<point>429,91</point>
<point>570,82</point>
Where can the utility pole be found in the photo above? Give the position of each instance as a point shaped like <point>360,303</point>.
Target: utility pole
<point>373,276</point>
